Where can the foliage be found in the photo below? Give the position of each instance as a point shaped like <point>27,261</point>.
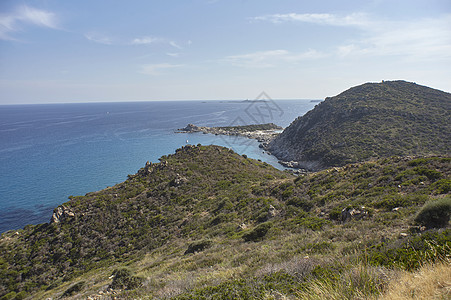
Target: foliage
<point>435,213</point>
<point>369,121</point>
<point>74,289</point>
<point>411,253</point>
<point>258,233</point>
<point>198,246</point>
<point>207,194</point>
<point>123,279</point>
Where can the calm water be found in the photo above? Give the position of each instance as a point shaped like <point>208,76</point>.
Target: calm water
<point>49,152</point>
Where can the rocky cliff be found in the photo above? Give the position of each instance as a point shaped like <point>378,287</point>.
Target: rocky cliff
<point>368,121</point>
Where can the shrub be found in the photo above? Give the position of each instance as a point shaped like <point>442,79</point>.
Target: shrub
<point>258,233</point>
<point>198,246</point>
<point>9,296</point>
<point>442,186</point>
<point>313,223</point>
<point>435,214</point>
<point>74,289</point>
<point>123,279</point>
<point>411,253</point>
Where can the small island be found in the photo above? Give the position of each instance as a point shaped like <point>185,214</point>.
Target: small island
<point>264,133</point>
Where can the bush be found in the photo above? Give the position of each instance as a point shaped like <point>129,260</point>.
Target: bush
<point>198,246</point>
<point>435,214</point>
<point>123,279</point>
<point>74,289</point>
<point>411,253</point>
<point>9,296</point>
<point>258,233</point>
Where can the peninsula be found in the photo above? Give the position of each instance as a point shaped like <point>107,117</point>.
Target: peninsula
<point>264,133</point>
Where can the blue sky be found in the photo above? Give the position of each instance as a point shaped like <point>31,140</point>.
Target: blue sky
<point>98,50</point>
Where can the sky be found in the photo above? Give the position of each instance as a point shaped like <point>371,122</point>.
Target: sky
<point>55,51</point>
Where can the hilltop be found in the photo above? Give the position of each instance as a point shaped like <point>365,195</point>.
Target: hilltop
<point>369,121</point>
<point>207,223</point>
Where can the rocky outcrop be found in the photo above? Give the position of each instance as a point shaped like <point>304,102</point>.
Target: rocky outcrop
<point>178,180</point>
<point>61,213</point>
<point>264,133</point>
<point>348,214</point>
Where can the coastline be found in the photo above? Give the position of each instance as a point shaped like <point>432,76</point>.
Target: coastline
<point>263,133</point>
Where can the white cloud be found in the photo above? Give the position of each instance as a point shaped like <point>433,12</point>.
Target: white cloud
<point>419,39</point>
<point>148,40</point>
<point>99,38</point>
<point>155,69</point>
<point>271,58</point>
<point>15,21</point>
<point>173,54</point>
<point>355,19</point>
<point>145,40</point>
<point>175,45</point>
<point>413,39</point>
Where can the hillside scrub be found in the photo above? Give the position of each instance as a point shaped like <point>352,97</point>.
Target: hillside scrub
<point>253,231</point>
<point>369,121</point>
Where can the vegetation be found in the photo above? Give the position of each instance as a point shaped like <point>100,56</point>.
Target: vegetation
<point>369,121</point>
<point>252,127</point>
<point>435,214</point>
<point>206,223</point>
<point>123,279</point>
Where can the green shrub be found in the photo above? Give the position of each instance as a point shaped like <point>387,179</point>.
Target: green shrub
<point>303,203</point>
<point>9,296</point>
<point>411,253</point>
<point>435,214</point>
<point>313,223</point>
<point>21,295</point>
<point>198,246</point>
<point>123,279</point>
<point>258,233</point>
<point>442,186</point>
<point>74,289</point>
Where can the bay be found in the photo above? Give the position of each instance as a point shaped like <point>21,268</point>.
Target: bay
<point>51,151</point>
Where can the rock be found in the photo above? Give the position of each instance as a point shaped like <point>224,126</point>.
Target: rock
<point>191,128</point>
<point>241,227</point>
<point>350,213</point>
<point>272,212</point>
<point>178,181</point>
<point>61,213</point>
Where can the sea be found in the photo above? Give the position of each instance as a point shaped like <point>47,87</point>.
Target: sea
<point>49,152</point>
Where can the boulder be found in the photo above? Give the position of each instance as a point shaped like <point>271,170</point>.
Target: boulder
<point>349,213</point>
<point>61,213</point>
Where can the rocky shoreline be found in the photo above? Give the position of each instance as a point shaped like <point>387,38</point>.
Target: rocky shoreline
<point>263,133</point>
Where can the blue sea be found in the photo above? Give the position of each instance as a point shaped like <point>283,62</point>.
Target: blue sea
<point>51,151</point>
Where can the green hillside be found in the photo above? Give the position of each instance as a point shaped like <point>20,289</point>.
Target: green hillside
<point>369,121</point>
<point>207,223</point>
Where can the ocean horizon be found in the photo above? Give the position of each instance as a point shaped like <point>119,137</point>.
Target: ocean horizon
<point>52,151</point>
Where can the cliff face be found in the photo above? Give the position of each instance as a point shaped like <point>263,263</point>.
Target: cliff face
<point>368,121</point>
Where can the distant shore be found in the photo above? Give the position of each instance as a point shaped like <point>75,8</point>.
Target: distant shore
<point>263,133</point>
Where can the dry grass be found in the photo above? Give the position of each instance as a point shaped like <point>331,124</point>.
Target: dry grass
<point>430,282</point>
<point>362,282</point>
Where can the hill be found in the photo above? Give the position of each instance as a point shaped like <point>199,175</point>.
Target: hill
<point>369,121</point>
<point>207,223</point>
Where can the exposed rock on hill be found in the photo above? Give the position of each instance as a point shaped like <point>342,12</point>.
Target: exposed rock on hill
<point>369,121</point>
